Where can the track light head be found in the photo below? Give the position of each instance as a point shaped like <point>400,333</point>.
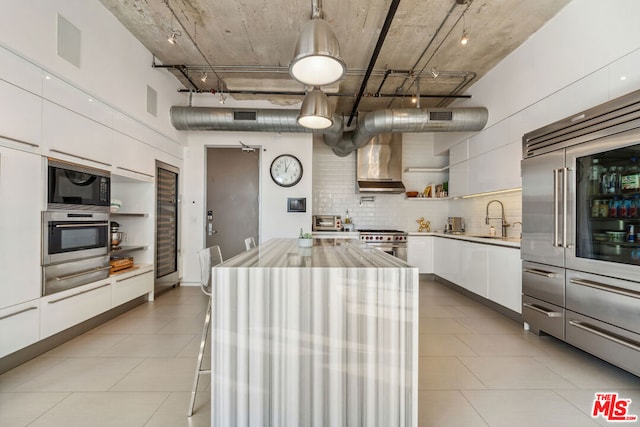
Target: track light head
<point>172,36</point>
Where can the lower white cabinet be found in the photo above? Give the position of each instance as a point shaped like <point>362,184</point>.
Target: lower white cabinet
<point>420,253</point>
<point>474,268</point>
<point>19,326</point>
<point>68,308</point>
<point>446,258</point>
<point>493,272</point>
<point>505,277</point>
<point>130,286</point>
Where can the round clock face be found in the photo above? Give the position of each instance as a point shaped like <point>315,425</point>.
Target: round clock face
<point>286,170</point>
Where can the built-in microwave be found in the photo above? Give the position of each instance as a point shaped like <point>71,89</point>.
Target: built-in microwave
<point>76,187</point>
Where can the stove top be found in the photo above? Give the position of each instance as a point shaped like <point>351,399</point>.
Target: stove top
<point>383,236</point>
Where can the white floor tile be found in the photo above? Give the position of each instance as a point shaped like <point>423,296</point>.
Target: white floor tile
<point>20,409</point>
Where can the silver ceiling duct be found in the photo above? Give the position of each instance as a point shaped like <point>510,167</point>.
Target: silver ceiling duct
<point>343,143</point>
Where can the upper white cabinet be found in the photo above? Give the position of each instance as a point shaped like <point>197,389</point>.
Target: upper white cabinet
<point>73,137</point>
<point>21,113</point>
<point>496,170</point>
<point>139,160</point>
<point>21,198</point>
<point>420,252</point>
<point>459,152</point>
<point>459,179</point>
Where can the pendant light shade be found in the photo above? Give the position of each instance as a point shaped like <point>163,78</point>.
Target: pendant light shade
<point>315,112</point>
<point>316,60</point>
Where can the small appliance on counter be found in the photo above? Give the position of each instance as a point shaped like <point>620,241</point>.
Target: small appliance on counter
<point>455,225</point>
<point>116,236</point>
<point>326,223</point>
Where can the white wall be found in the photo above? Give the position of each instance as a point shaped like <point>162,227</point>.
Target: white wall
<point>115,67</point>
<point>275,221</point>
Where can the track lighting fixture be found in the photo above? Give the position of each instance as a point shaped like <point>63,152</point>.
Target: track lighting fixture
<point>316,59</point>
<point>223,98</point>
<point>315,112</point>
<point>465,37</point>
<point>172,36</point>
<point>203,77</point>
<point>435,73</point>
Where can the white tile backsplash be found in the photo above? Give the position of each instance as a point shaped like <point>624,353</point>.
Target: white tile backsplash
<point>334,192</point>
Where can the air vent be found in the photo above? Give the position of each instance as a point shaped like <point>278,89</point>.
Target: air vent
<point>441,115</point>
<point>244,115</point>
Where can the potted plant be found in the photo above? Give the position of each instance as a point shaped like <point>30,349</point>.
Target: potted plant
<point>305,240</point>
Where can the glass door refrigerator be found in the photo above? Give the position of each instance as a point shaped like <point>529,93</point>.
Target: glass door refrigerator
<point>167,230</point>
<point>580,246</point>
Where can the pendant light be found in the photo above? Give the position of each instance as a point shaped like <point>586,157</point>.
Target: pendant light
<point>316,60</point>
<point>315,112</point>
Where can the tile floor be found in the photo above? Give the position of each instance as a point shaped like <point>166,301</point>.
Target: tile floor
<point>477,368</point>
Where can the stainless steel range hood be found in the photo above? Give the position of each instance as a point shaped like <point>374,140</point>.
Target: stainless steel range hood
<point>379,167</point>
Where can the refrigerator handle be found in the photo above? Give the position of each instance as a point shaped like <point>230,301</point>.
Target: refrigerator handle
<point>556,213</point>
<point>565,207</point>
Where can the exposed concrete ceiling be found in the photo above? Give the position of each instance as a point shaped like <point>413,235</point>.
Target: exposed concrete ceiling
<point>244,46</point>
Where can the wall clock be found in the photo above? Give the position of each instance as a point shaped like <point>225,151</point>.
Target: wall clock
<point>286,170</point>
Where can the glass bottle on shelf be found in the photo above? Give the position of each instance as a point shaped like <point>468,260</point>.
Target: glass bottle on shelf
<point>633,209</point>
<point>595,177</point>
<point>630,180</point>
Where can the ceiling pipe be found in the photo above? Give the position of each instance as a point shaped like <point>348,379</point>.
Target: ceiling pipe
<point>182,69</point>
<point>374,57</point>
<point>296,93</point>
<point>342,143</point>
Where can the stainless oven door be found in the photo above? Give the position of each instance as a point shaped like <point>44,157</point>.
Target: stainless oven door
<point>73,235</point>
<point>67,275</point>
<point>398,251</point>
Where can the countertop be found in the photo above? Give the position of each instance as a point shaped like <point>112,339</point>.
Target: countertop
<point>325,253</point>
<point>510,242</point>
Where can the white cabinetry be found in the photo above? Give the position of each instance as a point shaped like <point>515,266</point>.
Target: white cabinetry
<point>473,268</point>
<point>131,285</point>
<point>19,326</point>
<point>21,203</point>
<point>446,259</point>
<point>491,271</point>
<point>21,113</point>
<point>73,137</point>
<point>420,253</point>
<point>505,277</point>
<point>496,170</point>
<point>68,308</point>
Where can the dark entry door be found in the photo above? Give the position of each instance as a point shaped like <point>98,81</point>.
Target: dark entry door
<point>232,209</point>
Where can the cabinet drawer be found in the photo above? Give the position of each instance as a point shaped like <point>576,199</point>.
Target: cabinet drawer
<point>127,288</point>
<point>615,345</point>
<point>543,316</point>
<point>19,326</point>
<point>65,309</point>
<point>543,282</point>
<point>613,301</point>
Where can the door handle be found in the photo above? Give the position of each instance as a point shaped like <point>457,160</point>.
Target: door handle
<point>548,274</point>
<point>210,230</point>
<point>83,273</point>
<point>540,310</point>
<point>565,208</point>
<point>556,209</point>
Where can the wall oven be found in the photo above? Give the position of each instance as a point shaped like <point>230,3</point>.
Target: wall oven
<point>75,187</point>
<point>75,249</point>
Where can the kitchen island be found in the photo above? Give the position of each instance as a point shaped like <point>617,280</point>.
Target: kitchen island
<point>318,336</point>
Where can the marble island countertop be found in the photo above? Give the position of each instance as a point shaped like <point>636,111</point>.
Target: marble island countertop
<point>511,242</point>
<point>325,253</point>
<point>326,335</point>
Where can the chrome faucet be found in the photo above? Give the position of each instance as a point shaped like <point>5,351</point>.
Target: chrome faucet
<point>518,222</point>
<point>503,221</point>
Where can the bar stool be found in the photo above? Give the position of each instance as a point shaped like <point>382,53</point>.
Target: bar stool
<point>208,257</point>
<point>249,243</point>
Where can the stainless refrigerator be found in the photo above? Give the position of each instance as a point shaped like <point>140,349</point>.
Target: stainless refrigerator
<point>581,231</point>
